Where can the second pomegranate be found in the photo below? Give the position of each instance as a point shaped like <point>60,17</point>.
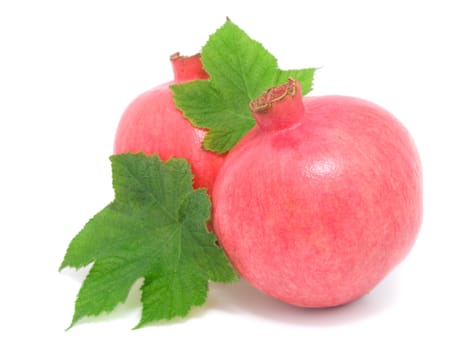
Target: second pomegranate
<point>151,124</point>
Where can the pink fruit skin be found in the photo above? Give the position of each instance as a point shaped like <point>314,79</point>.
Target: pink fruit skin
<point>151,124</point>
<point>320,201</point>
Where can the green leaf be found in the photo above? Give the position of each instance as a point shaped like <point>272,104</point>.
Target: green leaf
<point>154,229</point>
<point>240,70</point>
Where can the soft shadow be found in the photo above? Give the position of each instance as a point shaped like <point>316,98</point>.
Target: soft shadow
<point>242,298</point>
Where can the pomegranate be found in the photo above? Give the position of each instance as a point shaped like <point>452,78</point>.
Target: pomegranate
<point>321,199</point>
<point>151,124</point>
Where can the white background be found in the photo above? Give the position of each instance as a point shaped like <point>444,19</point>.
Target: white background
<point>68,70</point>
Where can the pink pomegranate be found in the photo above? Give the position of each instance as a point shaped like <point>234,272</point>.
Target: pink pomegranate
<point>320,200</point>
<point>151,124</point>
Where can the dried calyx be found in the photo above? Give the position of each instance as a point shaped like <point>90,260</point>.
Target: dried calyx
<point>187,68</point>
<point>279,107</point>
<point>273,95</point>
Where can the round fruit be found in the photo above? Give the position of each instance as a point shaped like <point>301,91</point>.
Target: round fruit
<point>151,124</point>
<point>320,200</point>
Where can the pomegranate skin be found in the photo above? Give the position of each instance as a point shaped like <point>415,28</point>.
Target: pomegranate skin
<point>320,200</point>
<point>151,124</point>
